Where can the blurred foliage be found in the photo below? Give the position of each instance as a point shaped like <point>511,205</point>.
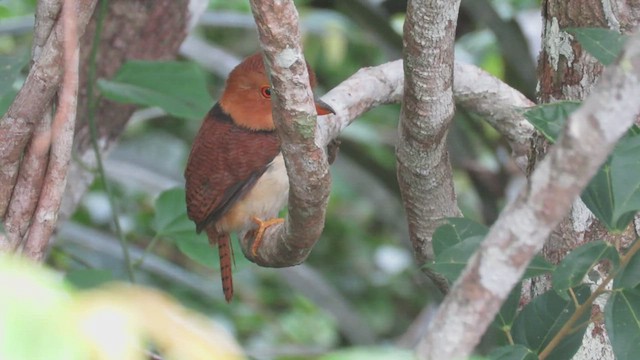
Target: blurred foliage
<point>44,318</point>
<point>364,253</point>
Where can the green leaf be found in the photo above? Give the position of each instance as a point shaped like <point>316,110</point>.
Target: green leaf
<point>613,195</point>
<point>538,266</point>
<point>549,119</point>
<point>179,88</point>
<point>171,214</point>
<point>455,231</point>
<point>512,352</point>
<point>197,248</point>
<point>541,319</point>
<point>452,261</point>
<point>88,278</point>
<point>603,44</point>
<point>578,263</point>
<point>10,67</point>
<point>629,276</point>
<point>622,320</point>
<point>625,176</point>
<point>370,353</point>
<point>507,314</point>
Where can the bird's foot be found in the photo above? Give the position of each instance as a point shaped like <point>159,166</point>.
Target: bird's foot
<point>262,226</point>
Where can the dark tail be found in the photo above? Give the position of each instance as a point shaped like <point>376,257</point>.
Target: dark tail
<point>224,251</point>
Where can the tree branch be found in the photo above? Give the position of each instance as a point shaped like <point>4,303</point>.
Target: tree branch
<point>525,224</point>
<point>423,168</point>
<point>295,120</point>
<point>18,123</point>
<point>61,140</point>
<point>370,87</point>
<point>499,104</point>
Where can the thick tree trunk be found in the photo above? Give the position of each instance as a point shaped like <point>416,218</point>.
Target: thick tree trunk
<point>567,72</point>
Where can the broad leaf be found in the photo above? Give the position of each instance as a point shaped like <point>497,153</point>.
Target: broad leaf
<point>541,319</point>
<point>549,119</point>
<point>507,314</point>
<point>88,278</point>
<point>178,88</point>
<point>613,195</point>
<point>577,264</point>
<point>603,44</point>
<point>452,261</point>
<point>622,320</point>
<point>629,276</point>
<point>538,266</point>
<point>625,176</point>
<point>513,352</point>
<point>455,231</point>
<point>197,248</point>
<point>171,214</point>
<point>370,353</point>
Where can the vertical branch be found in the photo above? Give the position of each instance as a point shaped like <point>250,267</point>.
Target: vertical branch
<point>295,120</point>
<point>61,139</point>
<point>522,228</point>
<point>19,122</point>
<point>424,171</point>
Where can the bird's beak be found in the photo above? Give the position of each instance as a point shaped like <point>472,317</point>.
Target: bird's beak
<point>323,108</point>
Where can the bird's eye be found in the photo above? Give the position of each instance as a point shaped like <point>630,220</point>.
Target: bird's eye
<point>266,92</point>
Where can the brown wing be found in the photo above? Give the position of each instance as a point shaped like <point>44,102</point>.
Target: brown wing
<point>224,164</point>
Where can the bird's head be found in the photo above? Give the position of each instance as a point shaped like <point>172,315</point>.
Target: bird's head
<point>247,95</point>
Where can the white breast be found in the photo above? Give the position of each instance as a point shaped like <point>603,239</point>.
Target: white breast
<point>264,200</point>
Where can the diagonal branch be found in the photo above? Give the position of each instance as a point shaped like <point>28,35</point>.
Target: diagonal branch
<point>522,228</point>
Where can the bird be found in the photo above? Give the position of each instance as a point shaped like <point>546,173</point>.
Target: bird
<point>235,177</point>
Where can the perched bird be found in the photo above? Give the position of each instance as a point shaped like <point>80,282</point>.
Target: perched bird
<point>236,180</point>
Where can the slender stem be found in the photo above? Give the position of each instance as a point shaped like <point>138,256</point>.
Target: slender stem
<point>574,298</point>
<point>509,337</point>
<point>568,326</point>
<point>147,249</point>
<point>94,138</point>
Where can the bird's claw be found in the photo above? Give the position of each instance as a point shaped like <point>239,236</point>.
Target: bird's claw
<point>262,226</point>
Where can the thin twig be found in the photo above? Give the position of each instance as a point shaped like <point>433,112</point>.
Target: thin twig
<point>92,79</point>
